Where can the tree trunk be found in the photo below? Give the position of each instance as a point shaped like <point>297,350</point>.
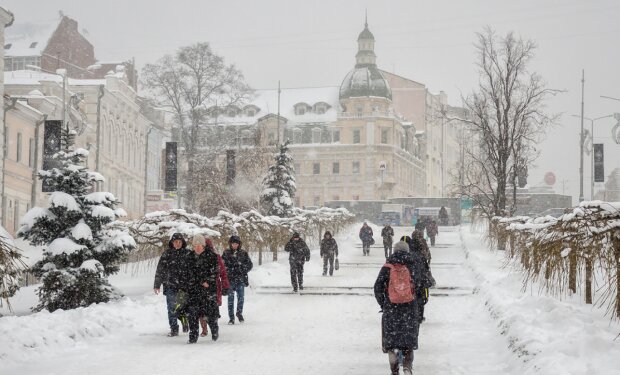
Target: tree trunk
<point>274,251</point>
<point>572,270</point>
<point>589,281</point>
<point>617,255</point>
<point>260,255</point>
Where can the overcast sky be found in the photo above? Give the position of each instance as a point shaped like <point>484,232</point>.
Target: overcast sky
<point>313,43</point>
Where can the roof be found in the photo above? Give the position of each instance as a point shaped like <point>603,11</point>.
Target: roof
<point>366,34</point>
<point>267,102</point>
<point>29,38</point>
<point>34,77</point>
<point>365,81</point>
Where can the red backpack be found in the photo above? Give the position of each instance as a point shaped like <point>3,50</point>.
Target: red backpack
<point>400,287</point>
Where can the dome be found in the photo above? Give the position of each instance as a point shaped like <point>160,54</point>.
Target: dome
<point>365,34</point>
<point>365,81</point>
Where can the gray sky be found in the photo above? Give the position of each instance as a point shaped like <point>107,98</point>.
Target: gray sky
<point>313,43</point>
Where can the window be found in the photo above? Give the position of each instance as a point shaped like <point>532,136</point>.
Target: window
<point>300,110</point>
<point>356,167</point>
<point>320,109</point>
<point>271,138</point>
<point>316,168</point>
<point>356,136</point>
<point>31,152</point>
<point>384,136</point>
<point>316,135</point>
<point>335,197</point>
<point>8,46</point>
<point>335,135</point>
<point>16,216</point>
<point>297,136</point>
<point>19,147</point>
<point>336,168</point>
<point>297,167</point>
<point>33,44</point>
<point>356,197</point>
<point>360,110</point>
<point>317,200</point>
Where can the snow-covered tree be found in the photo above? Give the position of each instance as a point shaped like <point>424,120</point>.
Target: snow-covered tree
<point>11,265</point>
<point>79,250</point>
<point>277,196</point>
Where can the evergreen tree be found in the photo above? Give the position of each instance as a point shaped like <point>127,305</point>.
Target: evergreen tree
<point>80,249</point>
<point>11,266</point>
<point>277,196</point>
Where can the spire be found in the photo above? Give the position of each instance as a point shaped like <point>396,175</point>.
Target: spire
<point>366,22</point>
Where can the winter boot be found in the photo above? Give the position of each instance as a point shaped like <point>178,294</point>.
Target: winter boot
<point>240,317</point>
<point>173,332</point>
<point>203,325</point>
<point>231,321</point>
<point>215,334</point>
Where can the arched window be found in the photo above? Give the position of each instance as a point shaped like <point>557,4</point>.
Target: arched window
<point>316,135</point>
<point>296,135</point>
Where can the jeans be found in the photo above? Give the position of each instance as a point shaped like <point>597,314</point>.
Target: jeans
<point>387,247</point>
<point>239,289</point>
<point>171,301</point>
<point>330,259</point>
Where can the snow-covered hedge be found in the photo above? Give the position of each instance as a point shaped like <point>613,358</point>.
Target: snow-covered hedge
<point>259,233</point>
<point>557,251</point>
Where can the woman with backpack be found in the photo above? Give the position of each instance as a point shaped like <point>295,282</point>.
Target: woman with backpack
<point>395,293</point>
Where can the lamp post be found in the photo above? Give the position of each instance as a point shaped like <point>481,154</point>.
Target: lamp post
<point>592,120</point>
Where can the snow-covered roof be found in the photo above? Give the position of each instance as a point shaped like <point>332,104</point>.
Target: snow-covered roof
<point>33,77</point>
<point>267,102</point>
<point>29,38</point>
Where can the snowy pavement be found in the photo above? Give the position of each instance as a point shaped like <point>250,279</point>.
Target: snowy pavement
<point>333,327</point>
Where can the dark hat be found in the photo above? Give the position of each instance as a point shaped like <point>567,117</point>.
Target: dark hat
<point>327,233</point>
<point>234,239</point>
<point>296,235</point>
<point>177,236</point>
<point>406,239</point>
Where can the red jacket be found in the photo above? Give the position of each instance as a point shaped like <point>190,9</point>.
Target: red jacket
<point>222,279</point>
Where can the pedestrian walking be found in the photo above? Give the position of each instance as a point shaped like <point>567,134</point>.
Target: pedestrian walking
<point>329,252</point>
<point>366,237</point>
<point>443,216</point>
<point>202,302</point>
<point>173,273</point>
<point>222,285</point>
<point>432,231</point>
<point>299,253</point>
<point>238,264</point>
<point>394,291</point>
<point>388,234</point>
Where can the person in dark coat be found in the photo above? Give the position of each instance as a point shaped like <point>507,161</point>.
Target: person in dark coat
<point>366,237</point>
<point>388,234</point>
<point>202,289</point>
<point>329,250</point>
<point>443,216</point>
<point>399,321</point>
<point>173,272</point>
<point>432,231</point>
<point>238,264</point>
<point>421,253</point>
<point>299,253</point>
<point>222,289</point>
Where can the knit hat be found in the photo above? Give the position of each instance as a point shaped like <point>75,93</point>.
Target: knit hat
<point>235,239</point>
<point>401,246</point>
<point>198,239</point>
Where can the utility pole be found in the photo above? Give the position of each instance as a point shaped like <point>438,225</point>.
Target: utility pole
<point>581,140</point>
<point>279,91</point>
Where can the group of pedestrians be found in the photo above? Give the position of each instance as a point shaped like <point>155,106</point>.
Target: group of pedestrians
<point>194,281</point>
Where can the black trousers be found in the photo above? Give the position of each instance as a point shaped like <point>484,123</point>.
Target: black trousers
<point>387,246</point>
<point>330,259</point>
<point>297,275</point>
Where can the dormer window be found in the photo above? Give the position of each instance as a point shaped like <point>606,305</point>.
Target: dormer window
<point>33,44</point>
<point>301,108</point>
<point>251,110</point>
<point>320,109</point>
<point>8,46</point>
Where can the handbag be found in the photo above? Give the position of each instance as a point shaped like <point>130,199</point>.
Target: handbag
<point>336,264</point>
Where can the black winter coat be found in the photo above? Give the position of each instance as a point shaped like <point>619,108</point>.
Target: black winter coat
<point>205,267</point>
<point>387,233</point>
<point>419,249</point>
<point>298,251</point>
<point>366,234</point>
<point>238,264</point>
<point>174,270</point>
<point>398,324</point>
<point>329,247</point>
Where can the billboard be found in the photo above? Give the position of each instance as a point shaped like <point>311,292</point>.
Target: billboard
<point>599,163</point>
<point>51,145</point>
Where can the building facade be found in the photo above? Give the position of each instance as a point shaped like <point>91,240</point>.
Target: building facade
<point>6,20</point>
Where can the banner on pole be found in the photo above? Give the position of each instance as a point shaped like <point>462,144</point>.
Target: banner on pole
<point>599,163</point>
<point>51,145</point>
<point>231,171</point>
<point>171,167</point>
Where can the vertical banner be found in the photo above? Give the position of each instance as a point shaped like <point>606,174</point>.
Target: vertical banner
<point>170,183</point>
<point>51,145</point>
<point>599,163</point>
<point>230,167</point>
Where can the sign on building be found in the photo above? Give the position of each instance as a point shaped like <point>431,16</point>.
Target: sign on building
<point>51,145</point>
<point>171,167</point>
<point>599,163</point>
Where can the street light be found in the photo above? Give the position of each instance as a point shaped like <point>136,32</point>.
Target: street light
<point>592,120</point>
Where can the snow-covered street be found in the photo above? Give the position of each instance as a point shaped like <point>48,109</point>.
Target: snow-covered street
<point>333,327</point>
